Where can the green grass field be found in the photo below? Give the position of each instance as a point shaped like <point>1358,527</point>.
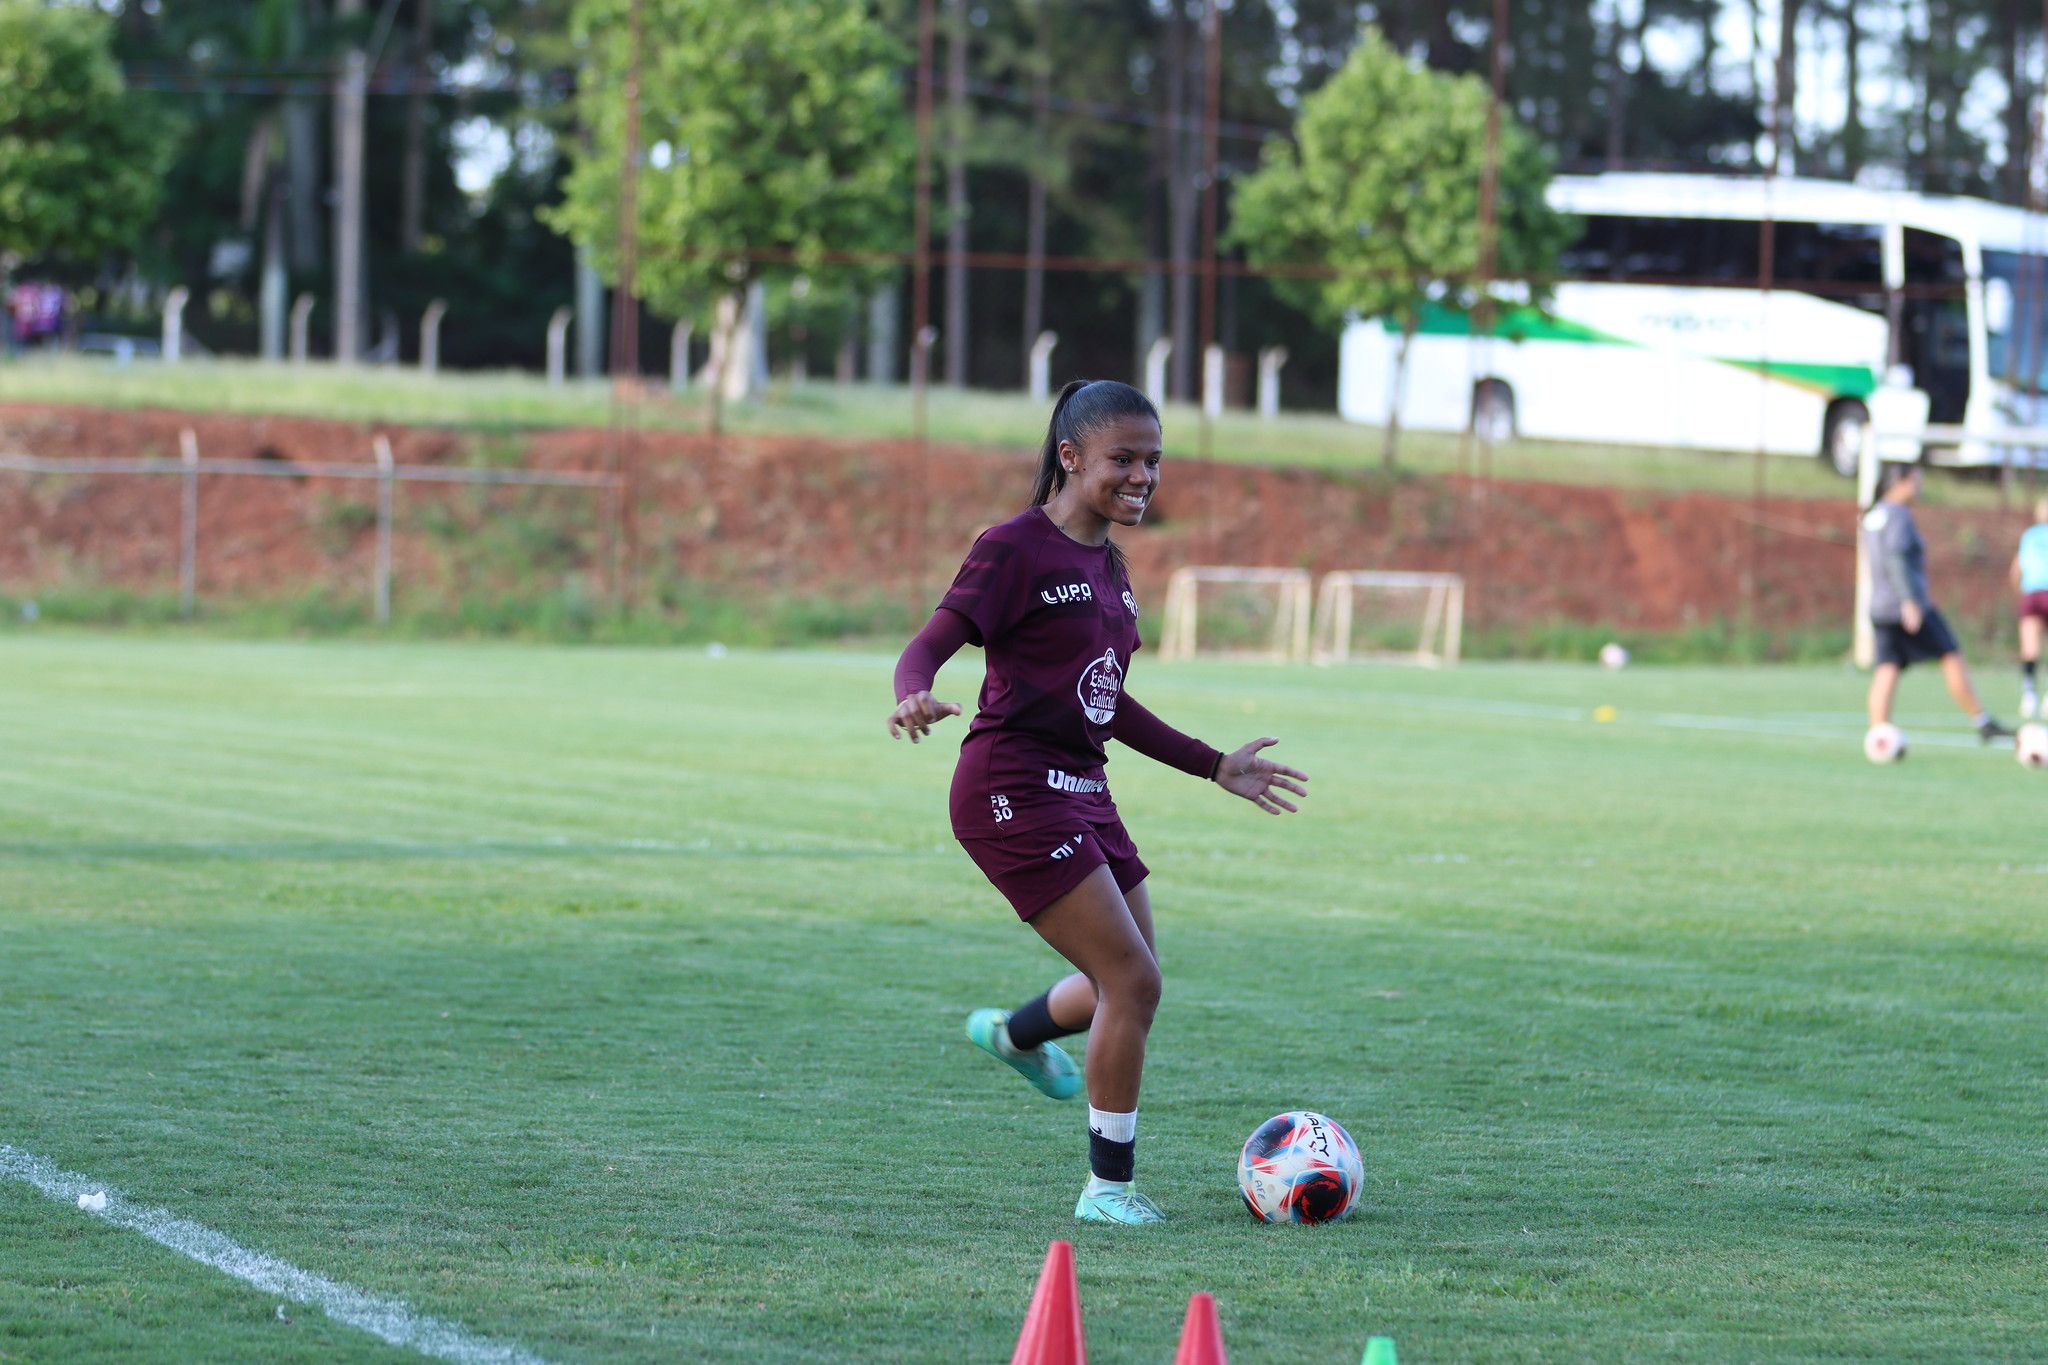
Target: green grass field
<point>510,400</point>
<point>607,1002</point>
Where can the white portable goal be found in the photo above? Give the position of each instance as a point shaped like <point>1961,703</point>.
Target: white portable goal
<point>1416,618</point>
<point>1226,611</point>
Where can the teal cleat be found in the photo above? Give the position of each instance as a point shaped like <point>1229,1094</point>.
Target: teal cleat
<point>1050,1071</point>
<point>1118,1204</point>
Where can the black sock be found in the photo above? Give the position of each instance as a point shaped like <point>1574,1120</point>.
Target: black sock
<point>1032,1024</point>
<point>2027,669</point>
<point>1109,1160</point>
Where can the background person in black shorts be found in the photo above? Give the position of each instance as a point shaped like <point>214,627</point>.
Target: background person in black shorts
<point>1909,628</point>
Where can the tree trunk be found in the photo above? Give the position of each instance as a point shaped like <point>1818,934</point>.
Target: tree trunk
<point>413,175</point>
<point>350,277</point>
<point>1622,73</point>
<point>1391,437</point>
<point>1034,204</point>
<point>725,351</point>
<point>1784,92</point>
<point>1180,204</point>
<point>1852,121</point>
<point>956,195</point>
<point>2018,150</point>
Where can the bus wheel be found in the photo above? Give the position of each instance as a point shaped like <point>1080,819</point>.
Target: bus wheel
<point>1841,436</point>
<point>1493,410</point>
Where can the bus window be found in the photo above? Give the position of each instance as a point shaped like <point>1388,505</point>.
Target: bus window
<point>1934,325</point>
<point>2016,333</point>
<point>1840,262</point>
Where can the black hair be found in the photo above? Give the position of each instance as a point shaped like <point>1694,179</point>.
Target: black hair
<point>1893,474</point>
<point>1084,407</point>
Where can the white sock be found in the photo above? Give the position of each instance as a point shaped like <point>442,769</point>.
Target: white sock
<point>1115,1127</point>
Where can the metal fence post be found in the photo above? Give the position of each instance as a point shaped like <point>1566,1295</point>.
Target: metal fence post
<point>1270,361</point>
<point>188,525</point>
<point>302,316</point>
<point>1212,380</point>
<point>430,336</point>
<point>385,483</point>
<point>1155,369</point>
<point>174,323</point>
<point>1041,365</point>
<point>558,344</point>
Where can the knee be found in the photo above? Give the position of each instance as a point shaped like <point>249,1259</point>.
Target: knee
<point>1138,986</point>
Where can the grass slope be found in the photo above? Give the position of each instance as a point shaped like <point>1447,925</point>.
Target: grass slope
<point>608,1001</point>
<point>514,400</point>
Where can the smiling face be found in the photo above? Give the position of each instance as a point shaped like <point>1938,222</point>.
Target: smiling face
<point>1111,477</point>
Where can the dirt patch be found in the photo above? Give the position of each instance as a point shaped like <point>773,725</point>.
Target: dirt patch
<point>840,519</point>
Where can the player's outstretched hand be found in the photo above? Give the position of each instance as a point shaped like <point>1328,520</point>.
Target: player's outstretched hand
<point>917,713</point>
<point>1258,779</point>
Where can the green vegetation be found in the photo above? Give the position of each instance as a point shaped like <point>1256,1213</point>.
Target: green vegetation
<point>1383,183</point>
<point>512,402</point>
<point>608,1001</point>
<point>79,159</point>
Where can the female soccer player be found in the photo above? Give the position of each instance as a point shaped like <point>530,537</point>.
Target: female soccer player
<point>1046,595</point>
<point>2030,578</point>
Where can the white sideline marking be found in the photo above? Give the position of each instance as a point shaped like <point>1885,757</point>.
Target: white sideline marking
<point>392,1320</point>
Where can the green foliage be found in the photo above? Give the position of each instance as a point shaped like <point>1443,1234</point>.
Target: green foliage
<point>765,129</point>
<point>1382,184</point>
<point>78,161</point>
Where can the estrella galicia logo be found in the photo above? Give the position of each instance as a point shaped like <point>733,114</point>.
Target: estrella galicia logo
<point>1102,682</point>
<point>1130,602</point>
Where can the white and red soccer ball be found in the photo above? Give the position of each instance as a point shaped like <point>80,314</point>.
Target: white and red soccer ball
<point>1884,743</point>
<point>2030,746</point>
<point>1300,1167</point>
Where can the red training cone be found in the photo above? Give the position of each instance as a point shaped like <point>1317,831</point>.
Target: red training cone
<point>1201,1338</point>
<point>1052,1325</point>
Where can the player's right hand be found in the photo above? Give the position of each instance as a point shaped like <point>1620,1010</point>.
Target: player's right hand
<point>917,713</point>
<point>1911,617</point>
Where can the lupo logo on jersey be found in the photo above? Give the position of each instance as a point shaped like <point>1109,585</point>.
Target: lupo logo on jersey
<point>1102,681</point>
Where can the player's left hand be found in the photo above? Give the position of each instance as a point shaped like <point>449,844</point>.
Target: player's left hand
<point>1256,779</point>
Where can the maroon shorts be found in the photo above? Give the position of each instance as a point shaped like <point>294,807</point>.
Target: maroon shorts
<point>1037,867</point>
<point>2035,604</point>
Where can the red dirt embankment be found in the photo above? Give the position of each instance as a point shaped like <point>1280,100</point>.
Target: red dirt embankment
<point>741,515</point>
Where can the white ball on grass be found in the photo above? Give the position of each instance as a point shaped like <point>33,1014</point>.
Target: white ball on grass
<point>1884,743</point>
<point>2030,746</point>
<point>1613,655</point>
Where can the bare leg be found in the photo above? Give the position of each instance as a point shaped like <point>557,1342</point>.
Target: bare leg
<point>1884,685</point>
<point>1956,674</point>
<point>1092,927</point>
<point>1071,1001</point>
<point>2030,639</point>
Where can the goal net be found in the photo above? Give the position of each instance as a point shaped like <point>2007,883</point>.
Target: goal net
<point>1222,611</point>
<point>1416,618</point>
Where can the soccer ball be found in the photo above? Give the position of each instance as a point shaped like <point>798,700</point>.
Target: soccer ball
<point>1300,1167</point>
<point>1884,743</point>
<point>2030,746</point>
<point>1613,656</point>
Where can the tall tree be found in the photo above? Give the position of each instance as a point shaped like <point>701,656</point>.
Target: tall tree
<point>79,161</point>
<point>1382,185</point>
<point>772,135</point>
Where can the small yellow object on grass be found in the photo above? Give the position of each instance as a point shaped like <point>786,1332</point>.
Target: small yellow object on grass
<point>1605,714</point>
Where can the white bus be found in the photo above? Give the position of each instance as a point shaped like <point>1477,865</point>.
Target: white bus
<point>1658,333</point>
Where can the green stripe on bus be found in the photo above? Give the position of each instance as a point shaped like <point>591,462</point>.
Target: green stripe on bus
<point>1533,324</point>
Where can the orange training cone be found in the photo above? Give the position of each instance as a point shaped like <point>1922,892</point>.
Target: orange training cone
<point>1201,1338</point>
<point>1052,1325</point>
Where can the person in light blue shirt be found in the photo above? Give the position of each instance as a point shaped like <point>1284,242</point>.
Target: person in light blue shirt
<point>2030,578</point>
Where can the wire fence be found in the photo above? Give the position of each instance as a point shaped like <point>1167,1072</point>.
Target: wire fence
<point>190,468</point>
